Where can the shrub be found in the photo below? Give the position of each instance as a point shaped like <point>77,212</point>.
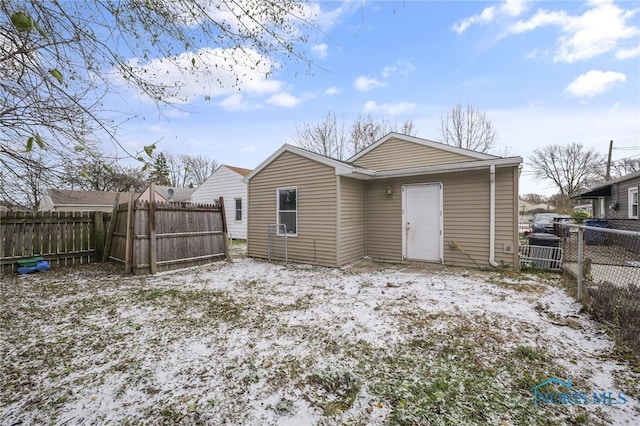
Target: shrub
<point>580,216</point>
<point>620,307</point>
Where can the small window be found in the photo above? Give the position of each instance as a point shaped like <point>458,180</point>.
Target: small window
<point>238,208</point>
<point>633,203</point>
<point>288,210</point>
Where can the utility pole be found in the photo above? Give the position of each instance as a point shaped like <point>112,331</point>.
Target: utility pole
<point>608,175</point>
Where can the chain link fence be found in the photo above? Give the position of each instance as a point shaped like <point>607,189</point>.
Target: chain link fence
<point>604,255</point>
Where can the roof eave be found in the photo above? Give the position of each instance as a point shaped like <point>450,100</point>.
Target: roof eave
<point>451,168</point>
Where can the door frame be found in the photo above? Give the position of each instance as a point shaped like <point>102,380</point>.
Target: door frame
<point>440,224</point>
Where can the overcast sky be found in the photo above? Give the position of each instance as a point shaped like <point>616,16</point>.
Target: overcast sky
<point>544,72</point>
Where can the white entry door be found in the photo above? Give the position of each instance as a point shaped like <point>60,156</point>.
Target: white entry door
<point>422,222</point>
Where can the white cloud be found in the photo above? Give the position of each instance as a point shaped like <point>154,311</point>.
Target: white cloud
<point>217,72</point>
<point>388,109</point>
<point>321,50</point>
<point>234,102</point>
<point>284,100</point>
<point>628,53</point>
<point>487,15</point>
<point>594,83</point>
<point>402,67</point>
<point>332,91</point>
<point>364,84</point>
<point>250,148</point>
<point>510,8</point>
<point>598,30</point>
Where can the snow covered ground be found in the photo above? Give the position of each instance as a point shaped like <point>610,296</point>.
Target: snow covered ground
<point>256,343</point>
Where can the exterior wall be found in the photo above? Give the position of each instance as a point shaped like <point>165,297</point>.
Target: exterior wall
<point>146,196</point>
<point>352,222</point>
<point>620,193</point>
<point>466,216</point>
<point>228,184</point>
<point>399,154</point>
<point>317,206</point>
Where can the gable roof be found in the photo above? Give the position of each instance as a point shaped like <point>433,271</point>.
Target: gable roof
<point>238,170</point>
<point>425,142</point>
<point>343,168</point>
<point>604,189</point>
<point>70,197</point>
<point>171,193</point>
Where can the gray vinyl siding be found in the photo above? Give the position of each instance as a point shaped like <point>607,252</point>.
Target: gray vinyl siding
<point>352,228</point>
<point>620,193</point>
<point>316,197</point>
<point>399,154</point>
<point>465,211</point>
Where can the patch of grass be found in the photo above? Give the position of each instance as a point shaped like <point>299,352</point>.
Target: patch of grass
<point>530,354</point>
<point>285,407</point>
<point>339,390</point>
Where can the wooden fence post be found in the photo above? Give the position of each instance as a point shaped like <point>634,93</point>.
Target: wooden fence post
<point>153,267</point>
<point>227,252</point>
<point>129,239</point>
<point>112,224</point>
<point>98,230</point>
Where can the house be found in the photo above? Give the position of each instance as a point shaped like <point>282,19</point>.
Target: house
<point>167,194</point>
<point>615,202</point>
<point>69,200</point>
<point>227,182</point>
<point>401,198</point>
<point>526,207</point>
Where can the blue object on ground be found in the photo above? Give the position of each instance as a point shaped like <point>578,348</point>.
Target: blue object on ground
<point>39,265</point>
<point>592,236</point>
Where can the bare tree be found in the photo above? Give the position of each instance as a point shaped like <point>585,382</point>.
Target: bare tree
<point>23,183</point>
<point>99,173</point>
<point>365,131</point>
<point>58,60</point>
<point>469,128</point>
<point>189,170</point>
<point>326,137</point>
<point>330,137</point>
<point>200,168</point>
<point>571,168</point>
<point>534,198</point>
<point>178,170</point>
<point>624,167</point>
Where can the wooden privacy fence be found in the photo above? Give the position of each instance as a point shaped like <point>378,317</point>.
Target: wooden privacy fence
<point>62,238</point>
<point>151,236</point>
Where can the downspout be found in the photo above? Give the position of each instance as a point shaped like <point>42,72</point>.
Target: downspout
<point>492,216</point>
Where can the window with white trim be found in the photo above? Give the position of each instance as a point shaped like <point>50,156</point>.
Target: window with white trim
<point>238,209</point>
<point>288,210</point>
<point>633,203</point>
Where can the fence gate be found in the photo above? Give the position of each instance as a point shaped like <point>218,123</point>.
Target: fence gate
<point>150,236</point>
<point>277,242</point>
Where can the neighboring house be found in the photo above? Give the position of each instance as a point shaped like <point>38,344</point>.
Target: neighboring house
<point>227,182</point>
<point>526,207</point>
<point>68,200</point>
<point>401,198</point>
<point>616,198</point>
<point>584,208</point>
<point>168,194</point>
